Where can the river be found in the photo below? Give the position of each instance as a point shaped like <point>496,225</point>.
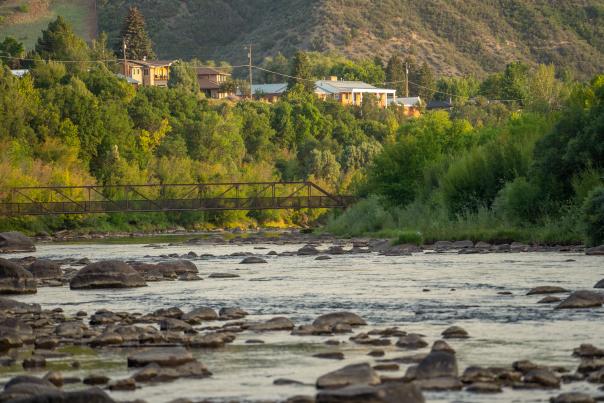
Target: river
<point>423,293</point>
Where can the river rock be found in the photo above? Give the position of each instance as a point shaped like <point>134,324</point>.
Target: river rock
<point>595,251</point>
<point>546,289</point>
<point>172,312</point>
<point>223,275</point>
<point>45,269</point>
<point>462,244</point>
<point>211,340</point>
<point>387,393</point>
<point>323,257</point>
<point>443,346</point>
<point>95,379</point>
<point>549,300</point>
<point>588,350</point>
<point>253,260</point>
<point>11,306</point>
<point>599,284</point>
<point>127,384</point>
<point>582,299</point>
<point>333,355</point>
<point>200,314</point>
<point>307,250</point>
<point>15,280</point>
<point>231,313</point>
<point>164,357</point>
<point>312,330</point>
<point>335,318</point>
<point>455,332</point>
<point>411,342</point>
<point>440,384</point>
<point>437,364</point>
<point>156,374</point>
<point>274,324</point>
<point>484,387</point>
<point>107,274</point>
<point>572,397</point>
<point>357,374</point>
<point>12,242</point>
<point>172,324</point>
<point>543,377</point>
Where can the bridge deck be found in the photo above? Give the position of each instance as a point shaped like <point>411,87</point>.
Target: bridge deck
<point>155,198</point>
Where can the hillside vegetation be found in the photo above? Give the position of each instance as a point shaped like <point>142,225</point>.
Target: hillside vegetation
<point>464,36</point>
<point>25,19</point>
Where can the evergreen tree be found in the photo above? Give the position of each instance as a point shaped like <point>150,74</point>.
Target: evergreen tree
<point>138,44</point>
<point>395,74</point>
<point>302,70</point>
<point>10,48</point>
<point>424,80</point>
<point>59,42</point>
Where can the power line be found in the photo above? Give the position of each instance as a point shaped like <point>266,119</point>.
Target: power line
<point>283,75</point>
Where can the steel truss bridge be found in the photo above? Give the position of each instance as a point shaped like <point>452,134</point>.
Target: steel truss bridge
<point>60,200</point>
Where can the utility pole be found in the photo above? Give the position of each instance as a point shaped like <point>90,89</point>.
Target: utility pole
<point>251,77</point>
<point>125,60</point>
<point>406,80</point>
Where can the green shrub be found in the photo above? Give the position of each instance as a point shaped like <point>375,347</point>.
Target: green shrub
<point>409,237</point>
<point>519,202</point>
<point>593,217</point>
<point>367,216</point>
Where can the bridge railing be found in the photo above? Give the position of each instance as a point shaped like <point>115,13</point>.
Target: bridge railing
<point>51,200</point>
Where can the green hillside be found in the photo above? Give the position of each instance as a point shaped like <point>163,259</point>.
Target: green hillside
<point>25,19</point>
<point>462,36</point>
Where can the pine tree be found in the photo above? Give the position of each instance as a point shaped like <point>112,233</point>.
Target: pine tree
<point>59,42</point>
<point>301,69</point>
<point>138,44</point>
<point>395,74</point>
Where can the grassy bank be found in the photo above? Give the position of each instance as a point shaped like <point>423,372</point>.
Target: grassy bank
<point>419,223</point>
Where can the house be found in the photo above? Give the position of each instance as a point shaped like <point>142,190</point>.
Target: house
<point>20,73</point>
<point>411,105</point>
<point>269,92</point>
<point>130,80</point>
<point>444,105</point>
<point>352,92</point>
<point>148,72</point>
<point>210,81</point>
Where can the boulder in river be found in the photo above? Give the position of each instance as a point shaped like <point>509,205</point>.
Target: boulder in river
<point>107,274</point>
<point>595,251</point>
<point>45,269</point>
<point>386,393</point>
<point>308,250</point>
<point>543,377</point>
<point>572,397</point>
<point>437,364</point>
<point>357,374</point>
<point>231,313</point>
<point>582,299</point>
<point>455,332</point>
<point>550,299</point>
<point>274,324</point>
<point>546,289</point>
<point>15,280</point>
<point>164,357</point>
<point>335,318</point>
<point>200,314</point>
<point>253,260</point>
<point>599,284</point>
<point>11,242</point>
<point>11,306</point>
<point>411,342</point>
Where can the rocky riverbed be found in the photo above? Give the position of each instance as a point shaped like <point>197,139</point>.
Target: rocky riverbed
<point>300,318</point>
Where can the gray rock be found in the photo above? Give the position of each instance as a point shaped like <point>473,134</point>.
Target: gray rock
<point>164,357</point>
<point>387,393</point>
<point>443,346</point>
<point>582,299</point>
<point>253,260</point>
<point>11,242</point>
<point>455,332</point>
<point>543,377</point>
<point>462,244</point>
<point>223,275</point>
<point>45,269</point>
<point>411,342</point>
<point>599,284</point>
<point>15,280</point>
<point>211,340</point>
<point>546,289</point>
<point>484,387</point>
<point>200,314</point>
<point>358,374</point>
<point>572,397</point>
<point>307,250</point>
<point>588,350</point>
<point>231,313</point>
<point>436,365</point>
<point>334,355</point>
<point>11,306</point>
<point>332,319</point>
<point>440,384</point>
<point>94,379</point>
<point>274,324</point>
<point>595,251</point>
<point>107,274</point>
<point>172,324</point>
<point>323,257</point>
<point>549,300</point>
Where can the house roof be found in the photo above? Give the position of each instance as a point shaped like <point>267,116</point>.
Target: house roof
<point>129,79</point>
<point>152,63</point>
<point>336,87</point>
<point>439,105</point>
<point>278,88</point>
<point>19,72</point>
<point>207,84</point>
<point>210,71</point>
<point>408,102</point>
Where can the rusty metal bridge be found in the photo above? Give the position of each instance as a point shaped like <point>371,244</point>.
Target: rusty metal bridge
<point>60,200</point>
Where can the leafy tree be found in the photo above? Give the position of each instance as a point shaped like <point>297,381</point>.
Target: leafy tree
<point>424,80</point>
<point>184,76</point>
<point>278,64</point>
<point>396,74</point>
<point>593,217</point>
<point>301,70</point>
<point>10,49</point>
<point>134,34</point>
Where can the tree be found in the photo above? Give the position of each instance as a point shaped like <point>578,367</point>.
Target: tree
<point>395,74</point>
<point>182,75</point>
<point>59,42</point>
<point>424,81</point>
<point>138,44</point>
<point>10,48</point>
<point>279,64</point>
<point>301,70</point>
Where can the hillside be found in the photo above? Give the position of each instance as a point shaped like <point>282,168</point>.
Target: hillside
<point>462,36</point>
<point>455,37</point>
<point>25,19</point>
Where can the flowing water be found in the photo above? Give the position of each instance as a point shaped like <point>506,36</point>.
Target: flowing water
<point>423,293</point>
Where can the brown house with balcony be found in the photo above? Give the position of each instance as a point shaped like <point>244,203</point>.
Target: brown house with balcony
<point>210,80</point>
<point>149,72</point>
